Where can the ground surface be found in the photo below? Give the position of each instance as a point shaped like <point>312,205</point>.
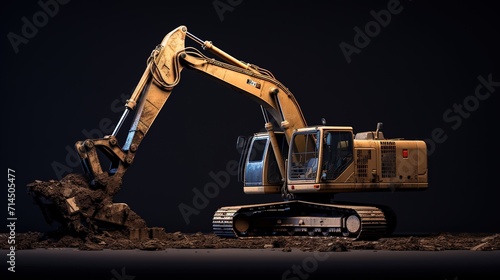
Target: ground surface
<point>178,240</point>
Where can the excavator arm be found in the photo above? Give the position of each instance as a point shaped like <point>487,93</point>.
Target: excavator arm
<point>162,73</point>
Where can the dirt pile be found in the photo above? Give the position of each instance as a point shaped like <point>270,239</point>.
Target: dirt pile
<point>81,207</point>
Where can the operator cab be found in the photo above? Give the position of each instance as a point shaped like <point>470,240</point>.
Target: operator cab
<point>316,155</point>
<point>319,154</point>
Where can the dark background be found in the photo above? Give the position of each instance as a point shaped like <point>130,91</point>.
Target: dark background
<point>70,74</point>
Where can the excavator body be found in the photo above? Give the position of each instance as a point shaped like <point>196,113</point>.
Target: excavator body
<point>321,162</point>
<point>332,159</point>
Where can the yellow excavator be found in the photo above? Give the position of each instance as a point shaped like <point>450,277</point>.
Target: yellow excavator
<point>307,165</point>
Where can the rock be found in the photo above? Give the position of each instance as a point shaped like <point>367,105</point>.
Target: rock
<point>480,247</point>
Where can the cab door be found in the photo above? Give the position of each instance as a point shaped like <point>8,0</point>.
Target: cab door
<point>260,170</point>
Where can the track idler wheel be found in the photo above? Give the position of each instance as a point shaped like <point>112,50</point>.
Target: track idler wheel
<point>352,225</point>
<point>241,224</point>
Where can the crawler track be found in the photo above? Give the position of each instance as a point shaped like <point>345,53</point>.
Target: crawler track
<point>303,218</point>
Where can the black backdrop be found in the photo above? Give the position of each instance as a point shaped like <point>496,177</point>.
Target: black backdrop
<point>67,65</point>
